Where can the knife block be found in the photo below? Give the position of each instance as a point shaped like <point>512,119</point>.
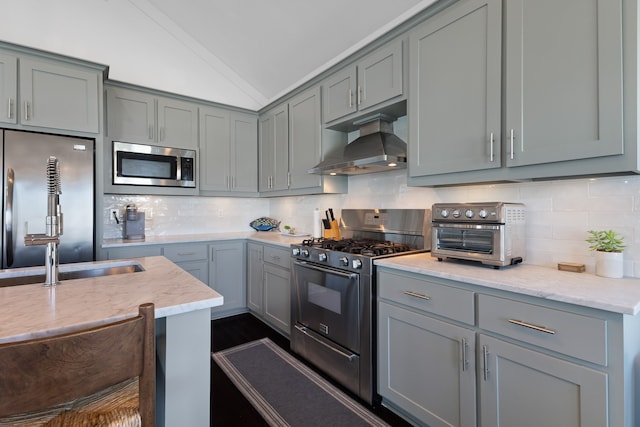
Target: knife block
<point>333,232</point>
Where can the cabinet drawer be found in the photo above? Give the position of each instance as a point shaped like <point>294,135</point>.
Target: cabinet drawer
<point>179,253</point>
<point>431,297</point>
<point>277,256</point>
<point>569,333</point>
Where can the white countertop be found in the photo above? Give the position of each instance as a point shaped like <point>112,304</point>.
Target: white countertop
<point>30,311</point>
<point>272,237</point>
<point>584,289</point>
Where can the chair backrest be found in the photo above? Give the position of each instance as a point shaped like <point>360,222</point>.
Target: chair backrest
<point>39,373</point>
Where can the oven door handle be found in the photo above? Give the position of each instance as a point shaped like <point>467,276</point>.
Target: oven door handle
<point>350,357</point>
<point>327,270</point>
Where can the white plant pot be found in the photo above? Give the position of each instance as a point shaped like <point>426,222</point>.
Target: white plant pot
<point>610,264</point>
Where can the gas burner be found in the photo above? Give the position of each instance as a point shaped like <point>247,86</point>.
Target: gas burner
<point>366,247</point>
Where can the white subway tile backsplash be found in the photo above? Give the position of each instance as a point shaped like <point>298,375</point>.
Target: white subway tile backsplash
<point>559,213</point>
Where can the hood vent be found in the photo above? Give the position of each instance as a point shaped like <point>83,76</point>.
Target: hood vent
<point>377,149</point>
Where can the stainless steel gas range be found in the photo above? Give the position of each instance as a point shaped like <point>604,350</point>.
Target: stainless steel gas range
<point>333,291</point>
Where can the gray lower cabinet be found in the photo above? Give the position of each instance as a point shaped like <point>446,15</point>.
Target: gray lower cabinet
<point>228,152</point>
<point>45,93</point>
<point>227,276</point>
<point>190,257</point>
<point>268,287</point>
<point>495,96</point>
<point>143,117</point>
<point>530,362</point>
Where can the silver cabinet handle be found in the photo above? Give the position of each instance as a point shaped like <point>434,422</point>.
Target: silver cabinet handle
<point>186,253</point>
<point>532,326</point>
<point>161,133</point>
<point>485,362</point>
<point>26,110</point>
<point>350,98</point>
<point>9,108</point>
<point>416,295</point>
<point>359,95</point>
<point>491,148</point>
<point>465,361</point>
<point>150,131</point>
<point>511,143</point>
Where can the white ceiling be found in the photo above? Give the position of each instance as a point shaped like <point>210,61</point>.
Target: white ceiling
<point>239,52</point>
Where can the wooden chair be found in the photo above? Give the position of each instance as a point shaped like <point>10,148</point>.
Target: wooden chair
<point>104,373</point>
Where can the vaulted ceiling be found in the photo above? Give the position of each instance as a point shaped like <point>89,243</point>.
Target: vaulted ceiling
<point>245,53</point>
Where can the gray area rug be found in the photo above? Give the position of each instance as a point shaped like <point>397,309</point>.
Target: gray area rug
<point>286,392</point>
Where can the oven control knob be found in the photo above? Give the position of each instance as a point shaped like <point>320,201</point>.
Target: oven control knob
<point>483,213</point>
<point>295,251</point>
<point>468,213</point>
<point>305,253</point>
<point>322,257</point>
<point>456,213</point>
<point>444,213</point>
<point>356,263</point>
<point>344,261</point>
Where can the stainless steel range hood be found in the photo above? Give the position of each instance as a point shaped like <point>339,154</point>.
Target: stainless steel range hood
<point>376,150</point>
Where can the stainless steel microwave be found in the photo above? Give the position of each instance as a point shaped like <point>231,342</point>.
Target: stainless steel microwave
<point>139,164</point>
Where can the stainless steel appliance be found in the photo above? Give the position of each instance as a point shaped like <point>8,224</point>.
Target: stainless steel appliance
<point>138,164</point>
<point>25,159</point>
<point>491,233</point>
<point>333,291</point>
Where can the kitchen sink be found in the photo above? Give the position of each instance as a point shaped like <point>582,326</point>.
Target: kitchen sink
<point>15,278</point>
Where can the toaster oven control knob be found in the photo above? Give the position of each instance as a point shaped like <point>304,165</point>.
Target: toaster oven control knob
<point>468,213</point>
<point>482,214</point>
<point>305,253</point>
<point>444,213</point>
<point>295,251</point>
<point>356,263</point>
<point>322,257</point>
<point>456,213</point>
<point>344,261</point>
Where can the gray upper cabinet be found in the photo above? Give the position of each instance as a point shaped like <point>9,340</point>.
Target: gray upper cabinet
<point>52,95</point>
<point>305,139</point>
<point>455,99</point>
<point>563,80</point>
<point>292,141</point>
<point>141,117</point>
<point>228,151</point>
<point>273,134</point>
<point>556,89</point>
<point>374,79</point>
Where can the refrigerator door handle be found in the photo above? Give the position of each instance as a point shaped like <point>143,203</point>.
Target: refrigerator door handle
<point>8,217</point>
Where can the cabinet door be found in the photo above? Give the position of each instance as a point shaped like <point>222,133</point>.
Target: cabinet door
<point>274,149</point>
<point>277,297</point>
<point>198,269</point>
<point>521,387</point>
<point>380,76</point>
<point>130,116</point>
<point>177,124</point>
<point>455,63</point>
<point>427,367</point>
<point>563,80</point>
<point>227,275</point>
<point>244,152</point>
<point>8,89</point>
<point>254,278</point>
<point>59,97</point>
<point>339,94</point>
<point>305,143</point>
<point>214,149</point>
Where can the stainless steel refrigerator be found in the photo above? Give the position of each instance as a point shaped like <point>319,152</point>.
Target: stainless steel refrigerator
<point>24,181</point>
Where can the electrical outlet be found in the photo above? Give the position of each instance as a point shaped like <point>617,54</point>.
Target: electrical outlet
<point>220,213</point>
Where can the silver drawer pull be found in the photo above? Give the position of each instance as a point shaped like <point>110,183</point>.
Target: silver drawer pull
<point>531,326</point>
<point>417,295</point>
<point>186,253</point>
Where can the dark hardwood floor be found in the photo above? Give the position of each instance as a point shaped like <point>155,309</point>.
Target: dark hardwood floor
<point>228,406</point>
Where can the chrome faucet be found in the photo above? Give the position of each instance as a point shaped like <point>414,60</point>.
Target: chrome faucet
<point>51,237</point>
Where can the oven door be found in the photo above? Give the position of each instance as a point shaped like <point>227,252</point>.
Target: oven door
<point>327,301</point>
<point>481,242</point>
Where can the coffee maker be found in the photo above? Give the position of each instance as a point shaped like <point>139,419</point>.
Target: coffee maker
<point>133,223</point>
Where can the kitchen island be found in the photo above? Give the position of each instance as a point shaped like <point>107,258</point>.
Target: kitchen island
<point>183,328</point>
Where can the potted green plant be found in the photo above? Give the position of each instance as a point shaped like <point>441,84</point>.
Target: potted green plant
<point>608,246</point>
